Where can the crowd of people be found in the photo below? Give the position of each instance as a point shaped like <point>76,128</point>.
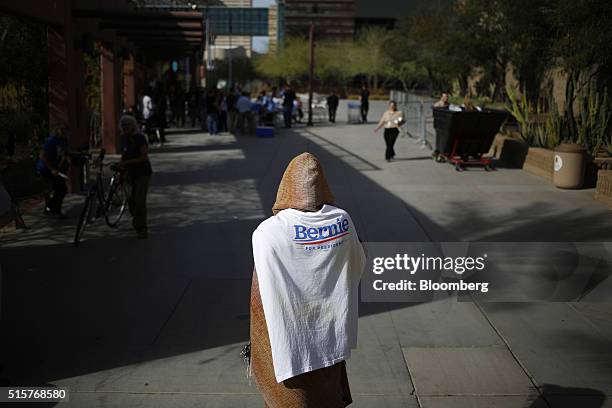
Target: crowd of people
<point>166,103</point>
<point>235,110</point>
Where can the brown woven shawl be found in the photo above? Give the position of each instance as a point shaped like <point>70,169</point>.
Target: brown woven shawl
<point>303,187</point>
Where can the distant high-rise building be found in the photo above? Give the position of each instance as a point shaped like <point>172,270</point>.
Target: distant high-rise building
<point>333,19</point>
<point>273,28</point>
<point>386,13</point>
<point>241,45</point>
<point>342,19</point>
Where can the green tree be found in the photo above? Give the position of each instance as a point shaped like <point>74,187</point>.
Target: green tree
<point>431,41</point>
<point>23,79</point>
<point>371,54</point>
<point>290,63</point>
<point>336,62</point>
<point>582,46</point>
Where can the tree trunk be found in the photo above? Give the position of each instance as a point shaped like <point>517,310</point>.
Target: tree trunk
<point>430,77</point>
<point>463,84</point>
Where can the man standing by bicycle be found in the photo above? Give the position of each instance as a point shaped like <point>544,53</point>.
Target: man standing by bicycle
<point>135,160</point>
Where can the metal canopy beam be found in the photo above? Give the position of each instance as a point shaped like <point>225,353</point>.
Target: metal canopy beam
<point>197,41</point>
<point>138,15</point>
<point>158,33</point>
<point>164,25</point>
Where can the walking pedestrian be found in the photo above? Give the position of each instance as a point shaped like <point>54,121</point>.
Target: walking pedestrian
<point>392,120</point>
<point>232,112</point>
<point>222,104</point>
<point>148,115</point>
<point>245,115</point>
<point>332,106</point>
<point>364,98</point>
<point>288,99</point>
<point>202,104</point>
<point>160,112</point>
<point>135,161</point>
<point>308,263</point>
<point>179,106</point>
<point>212,112</point>
<point>193,100</point>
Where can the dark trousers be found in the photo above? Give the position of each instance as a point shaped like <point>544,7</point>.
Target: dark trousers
<point>246,123</point>
<point>364,112</point>
<point>138,202</point>
<point>178,115</point>
<point>332,113</point>
<point>58,183</point>
<point>390,138</point>
<point>287,117</point>
<point>203,119</point>
<point>193,116</point>
<point>223,121</point>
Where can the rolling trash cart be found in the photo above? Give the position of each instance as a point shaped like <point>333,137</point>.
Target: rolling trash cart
<point>464,137</point>
<point>354,112</point>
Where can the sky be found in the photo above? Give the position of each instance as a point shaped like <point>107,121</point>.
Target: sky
<point>260,44</point>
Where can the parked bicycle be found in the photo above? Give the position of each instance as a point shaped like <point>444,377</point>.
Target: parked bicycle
<point>111,204</point>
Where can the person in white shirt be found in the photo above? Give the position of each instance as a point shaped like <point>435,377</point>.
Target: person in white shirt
<point>147,107</point>
<point>391,120</point>
<point>308,264</point>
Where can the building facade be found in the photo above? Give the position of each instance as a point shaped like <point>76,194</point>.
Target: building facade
<point>333,19</point>
<point>239,45</point>
<point>338,19</point>
<point>273,20</point>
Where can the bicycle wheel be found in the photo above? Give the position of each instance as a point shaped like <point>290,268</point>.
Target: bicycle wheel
<point>115,202</point>
<point>85,217</point>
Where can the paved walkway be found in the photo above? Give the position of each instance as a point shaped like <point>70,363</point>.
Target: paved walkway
<point>160,322</point>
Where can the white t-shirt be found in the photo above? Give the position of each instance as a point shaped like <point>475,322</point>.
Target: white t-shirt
<point>308,266</point>
<point>147,107</point>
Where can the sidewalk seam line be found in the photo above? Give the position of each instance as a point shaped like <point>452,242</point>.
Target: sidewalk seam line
<point>180,299</point>
<point>514,356</point>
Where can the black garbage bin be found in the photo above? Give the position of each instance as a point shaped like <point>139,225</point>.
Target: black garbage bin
<point>464,136</point>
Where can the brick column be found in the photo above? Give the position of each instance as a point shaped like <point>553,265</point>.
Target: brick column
<point>109,88</point>
<point>129,82</point>
<point>58,89</point>
<point>65,89</point>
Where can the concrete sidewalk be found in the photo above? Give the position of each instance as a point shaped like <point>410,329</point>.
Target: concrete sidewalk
<point>160,322</point>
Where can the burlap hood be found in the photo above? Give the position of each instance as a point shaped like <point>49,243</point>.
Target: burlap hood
<point>303,186</point>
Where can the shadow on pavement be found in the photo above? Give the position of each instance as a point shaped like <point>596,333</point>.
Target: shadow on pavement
<point>116,301</point>
<point>557,396</point>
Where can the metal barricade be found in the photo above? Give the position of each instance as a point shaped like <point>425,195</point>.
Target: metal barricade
<point>418,116</point>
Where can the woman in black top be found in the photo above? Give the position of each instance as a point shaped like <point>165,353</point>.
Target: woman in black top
<point>135,160</point>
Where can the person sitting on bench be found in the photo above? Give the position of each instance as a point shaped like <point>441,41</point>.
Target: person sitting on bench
<point>443,101</point>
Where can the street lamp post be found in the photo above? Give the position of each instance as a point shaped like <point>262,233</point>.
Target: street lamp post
<point>310,71</point>
<point>229,64</point>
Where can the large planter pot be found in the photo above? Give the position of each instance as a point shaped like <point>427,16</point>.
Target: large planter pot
<point>539,161</point>
<point>603,191</point>
<point>569,164</point>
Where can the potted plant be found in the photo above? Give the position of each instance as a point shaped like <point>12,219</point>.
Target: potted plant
<point>538,129</point>
<point>588,135</point>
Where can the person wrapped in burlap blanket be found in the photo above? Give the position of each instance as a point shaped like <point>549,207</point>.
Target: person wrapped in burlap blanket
<point>304,188</point>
